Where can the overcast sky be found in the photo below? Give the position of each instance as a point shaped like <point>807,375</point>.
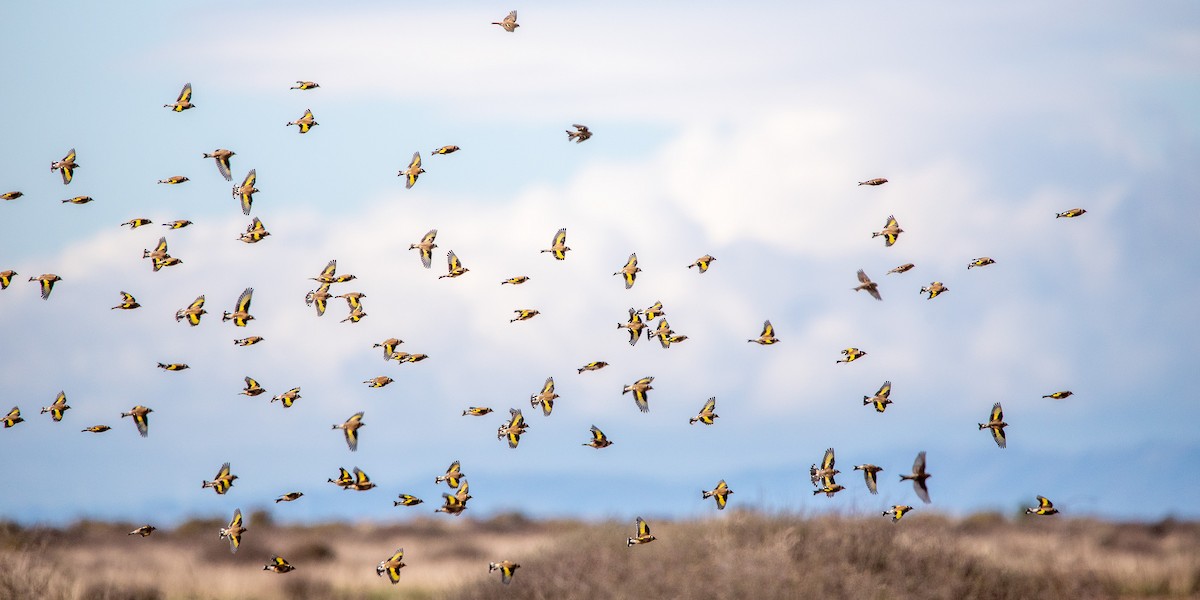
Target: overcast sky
<point>741,133</point>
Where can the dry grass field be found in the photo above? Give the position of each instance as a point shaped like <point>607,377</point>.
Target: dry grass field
<point>735,555</point>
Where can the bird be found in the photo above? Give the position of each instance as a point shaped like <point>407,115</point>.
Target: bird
<point>169,261</point>
<point>234,531</point>
<point>252,388</point>
<point>518,280</point>
<point>184,101</point>
<point>891,232</point>
<point>355,316</point>
<point>305,122</point>
<point>524,314</point>
<point>66,167</point>
<point>174,180</point>
<point>127,302</point>
<point>639,389</point>
<point>320,297</point>
<point>78,200</point>
<point>46,281</point>
<point>221,156</point>
<point>982,261</point>
<point>629,271</point>
<point>643,534</point>
<point>509,23</point>
<point>896,512</point>
<point>654,312</point>
<point>289,497</point>
<point>829,487</point>
<point>255,232</point>
<point>179,224</point>
<point>389,347</point>
<point>558,245</point>
<point>453,475</point>
<point>452,505</point>
<point>173,366</point>
<point>159,252</point>
<point>245,192</point>
<point>288,398</point>
<point>869,475</point>
<point>593,366</point>
<point>426,246</point>
<point>361,482</point>
<point>881,398</point>
<point>1067,214</point>
<point>599,440</point>
<point>305,85</point>
<point>6,278</point>
<point>1044,507</point>
<point>580,135</point>
<point>446,150</point>
<point>476,411</point>
<point>545,398</point>
<point>918,477</point>
<point>506,568</point>
<point>454,265</point>
<point>934,290</point>
<point>851,355</point>
<point>996,424</point>
<point>634,325</point>
<point>279,565</point>
<point>249,341</point>
<point>721,493</point>
<point>392,566</point>
<point>350,428</point>
<point>11,195</point>
<point>222,482</point>
<point>663,332</point>
<point>141,418</point>
<point>192,313</point>
<point>1060,395</point>
<point>241,312</point>
<point>463,493</point>
<point>144,530</point>
<point>135,223</point>
<point>58,407</point>
<point>407,500</point>
<point>904,268</point>
<point>13,417</point>
<point>96,429</point>
<point>767,337</point>
<point>344,478</point>
<point>826,470</point>
<point>413,171</point>
<point>703,263</point>
<point>513,428</point>
<point>865,283</point>
<point>378,382</point>
<point>706,414</point>
<point>876,181</point>
<point>353,299</point>
<point>404,357</point>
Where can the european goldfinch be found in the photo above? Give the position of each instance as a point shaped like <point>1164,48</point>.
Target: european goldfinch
<point>767,337</point>
<point>509,23</point>
<point>245,192</point>
<point>425,247</point>
<point>996,424</point>
<point>141,418</point>
<point>643,534</point>
<point>234,531</point>
<point>391,566</point>
<point>545,398</point>
<point>222,482</point>
<point>629,271</point>
<point>891,232</point>
<point>706,414</point>
<point>57,408</point>
<point>639,389</point>
<point>192,313</point>
<point>305,122</point>
<point>413,171</point>
<point>721,493</point>
<point>350,428</point>
<point>66,167</point>
<point>184,101</point>
<point>1044,507</point>
<point>580,135</point>
<point>881,397</point>
<point>221,156</point>
<point>558,245</point>
<point>241,312</point>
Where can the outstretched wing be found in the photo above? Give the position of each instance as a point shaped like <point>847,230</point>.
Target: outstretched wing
<point>453,262</point>
<point>1044,502</point>
<point>768,331</point>
<point>642,528</point>
<point>360,477</point>
<point>243,303</point>
<point>828,460</point>
<point>886,390</point>
<point>185,96</point>
<point>597,435</point>
<point>997,413</point>
<point>223,167</point>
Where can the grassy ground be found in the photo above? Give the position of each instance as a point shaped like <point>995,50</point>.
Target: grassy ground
<point>735,555</point>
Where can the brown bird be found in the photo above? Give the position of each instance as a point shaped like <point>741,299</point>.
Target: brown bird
<point>12,418</point>
<point>140,418</point>
<point>446,150</point>
<point>426,246</point>
<point>635,325</point>
<point>897,511</point>
<point>996,424</point>
<point>599,440</point>
<point>78,200</point>
<point>453,475</point>
<point>454,265</point>
<point>252,388</point>
<point>305,85</point>
<point>580,135</point>
<point>222,482</point>
<point>1068,214</point>
<point>904,268</point>
<point>378,382</point>
<point>173,366</point>
<point>389,347</point>
<point>629,271</point>
<point>353,299</point>
<point>255,232</point>
<point>982,261</point>
<point>524,314</point>
<point>241,312</point>
<point>6,278</point>
<point>934,290</point>
<point>174,180</point>
<point>826,470</point>
<point>57,408</point>
<point>865,283</point>
<point>391,566</point>
<point>558,245</point>
<point>179,224</point>
<point>234,531</point>
<point>509,23</point>
<point>721,493</point>
<point>96,429</point>
<point>245,192</point>
<point>476,411</point>
<point>305,122</point>
<point>135,223</point>
<point>593,366</point>
<point>703,262</point>
<point>918,477</point>
<point>643,534</point>
<point>279,565</point>
<point>869,475</point>
<point>356,315</point>
<point>222,155</point>
<point>881,398</point>
<point>127,302</point>
<point>506,568</point>
<point>11,195</point>
<point>545,398</point>
<point>184,101</point>
<point>320,297</point>
<point>876,181</point>
<point>350,428</point>
<point>249,341</point>
<point>639,389</point>
<point>767,337</point>
<point>891,231</point>
<point>1060,395</point>
<point>192,313</point>
<point>66,167</point>
<point>851,354</point>
<point>144,530</point>
<point>289,497</point>
<point>288,398</point>
<point>518,280</point>
<point>46,281</point>
<point>361,482</point>
<point>707,413</point>
<point>1044,507</point>
<point>411,172</point>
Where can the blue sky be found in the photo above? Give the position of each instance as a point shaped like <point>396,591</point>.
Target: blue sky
<point>739,133</point>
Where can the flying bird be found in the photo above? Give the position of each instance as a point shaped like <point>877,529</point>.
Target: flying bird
<point>179,224</point>
<point>599,440</point>
<point>634,325</point>
<point>851,354</point>
<point>184,101</point>
<point>159,252</point>
<point>904,268</point>
<point>344,478</point>
<point>934,290</point>
<point>6,278</point>
<point>876,181</point>
<point>66,167</point>
<point>881,398</point>
<point>869,475</point>
<point>982,261</point>
<point>453,475</point>
<point>389,347</point>
<point>506,568</point>
<point>476,411</point>
<point>78,200</point>
<point>629,271</point>
<point>407,500</point>
<point>169,261</point>
<point>446,150</point>
<point>249,341</point>
<point>173,366</point>
<point>222,155</point>
<point>865,283</point>
<point>518,280</point>
<point>141,418</point>
<point>353,300</point>
<point>580,135</point>
<point>320,297</point>
<point>513,428</point>
<point>12,418</point>
<point>192,313</point>
<point>593,366</point>
<point>891,232</point>
<point>426,246</point>
<point>46,281</point>
<point>654,311</point>
<point>174,180</point>
<point>279,565</point>
<point>1044,507</point>
<point>222,482</point>
<point>361,482</point>
<point>350,428</point>
<point>703,263</point>
<point>707,413</point>
<point>96,429</point>
<point>57,408</point>
<point>391,566</point>
<point>11,195</point>
<point>234,531</point>
<point>918,477</point>
<point>545,398</point>
<point>454,265</point>
<point>996,424</point>
<point>896,512</point>
<point>289,497</point>
<point>144,530</point>
<point>127,302</point>
<point>721,493</point>
<point>252,388</point>
<point>378,382</point>
<point>135,223</point>
<point>245,192</point>
<point>639,389</point>
<point>255,232</point>
<point>643,534</point>
<point>558,245</point>
<point>767,337</point>
<point>413,171</point>
<point>305,122</point>
<point>509,23</point>
<point>826,470</point>
<point>1066,214</point>
<point>305,85</point>
<point>288,398</point>
<point>524,314</point>
<point>241,312</point>
<point>1060,395</point>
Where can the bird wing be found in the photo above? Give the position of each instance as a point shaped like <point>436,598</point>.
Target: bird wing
<point>243,303</point>
<point>885,390</point>
<point>223,472</point>
<point>919,463</point>
<point>710,405</point>
<point>828,460</point>
<point>862,277</point>
<point>185,95</point>
<point>642,528</point>
<point>223,167</point>
<point>251,177</point>
<point>415,163</point>
<point>597,435</point>
<point>997,413</point>
<point>872,485</point>
<point>1044,502</point>
<point>452,261</point>
<point>143,424</point>
<point>548,387</point>
<point>560,238</point>
<point>768,330</point>
<point>998,435</point>
<point>360,477</point>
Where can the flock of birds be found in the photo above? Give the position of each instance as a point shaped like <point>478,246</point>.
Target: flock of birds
<point>822,474</point>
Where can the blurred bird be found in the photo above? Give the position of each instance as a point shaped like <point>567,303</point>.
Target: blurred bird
<point>703,262</point>
<point>96,429</point>
<point>159,252</point>
<point>305,85</point>
<point>452,505</point>
<point>141,418</point>
<point>222,155</point>
<point>173,366</point>
<point>545,398</point>
<point>413,171</point>
<point>634,325</point>
<point>353,300</point>
<point>982,261</point>
<point>288,398</point>
<point>57,408</point>
<point>643,534</point>
<point>169,261</point>
<point>255,232</point>
<point>179,224</point>
<point>355,316</point>
<point>506,568</point>
<point>918,477</point>
<point>518,280</point>
<point>234,531</point>
<point>1044,507</point>
<point>706,414</point>
<point>378,382</point>
<point>721,493</point>
<point>320,297</point>
<point>599,440</point>
<point>524,314</point>
<point>11,195</point>
<point>593,366</point>
<point>904,268</point>
<point>389,347</point>
<point>78,200</point>
<point>829,487</point>
<point>453,475</point>
<point>279,565</point>
<point>513,428</point>
<point>250,341</point>
<point>446,150</point>
<point>897,511</point>
<point>6,278</point>
<point>222,482</point>
<point>426,246</point>
<point>664,333</point>
<point>174,180</point>
<point>996,424</point>
<point>127,302</point>
<point>454,265</point>
<point>558,245</point>
<point>509,23</point>
<point>654,312</point>
<point>876,181</point>
<point>1059,395</point>
<point>192,313</point>
<point>245,192</point>
<point>392,566</point>
<point>405,357</point>
<point>463,493</point>
<point>767,337</point>
<point>891,232</point>
<point>66,167</point>
<point>289,497</point>
<point>865,283</point>
<point>135,223</point>
<point>1068,214</point>
<point>934,290</point>
<point>344,478</point>
<point>639,389</point>
<point>361,482</point>
<point>826,470</point>
<point>13,417</point>
<point>629,271</point>
<point>869,475</point>
<point>144,530</point>
<point>252,388</point>
<point>580,135</point>
<point>184,101</point>
<point>407,500</point>
<point>241,312</point>
<point>476,411</point>
<point>881,398</point>
<point>851,355</point>
<point>350,428</point>
<point>305,122</point>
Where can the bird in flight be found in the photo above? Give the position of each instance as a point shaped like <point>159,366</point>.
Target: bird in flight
<point>580,135</point>
<point>509,23</point>
<point>184,101</point>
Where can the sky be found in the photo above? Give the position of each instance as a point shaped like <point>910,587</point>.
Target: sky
<point>740,133</point>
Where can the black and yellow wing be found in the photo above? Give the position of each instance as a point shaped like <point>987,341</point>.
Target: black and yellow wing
<point>598,436</point>
<point>59,406</point>
<point>453,474</point>
<point>161,247</point>
<point>997,413</point>
<point>506,571</point>
<point>234,532</point>
<point>306,122</point>
<point>68,170</point>
<point>142,421</point>
<point>224,168</point>
<point>885,390</point>
<point>655,311</point>
<point>185,96</point>
<point>629,273</point>
<point>768,331</point>
<point>643,529</point>
<point>393,568</point>
<point>360,477</point>
<point>252,384</point>
<point>828,460</point>
<point>891,228</point>
<point>559,244</point>
<point>721,493</point>
<point>872,483</point>
<point>352,432</point>
<point>289,397</point>
<point>47,286</point>
<point>193,316</point>
<point>414,168</point>
<point>246,191</point>
<point>223,472</point>
<point>13,417</point>
<point>1044,503</point>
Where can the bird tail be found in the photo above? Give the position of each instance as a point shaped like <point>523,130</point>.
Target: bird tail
<point>866,400</point>
<point>981,426</point>
<point>629,543</point>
